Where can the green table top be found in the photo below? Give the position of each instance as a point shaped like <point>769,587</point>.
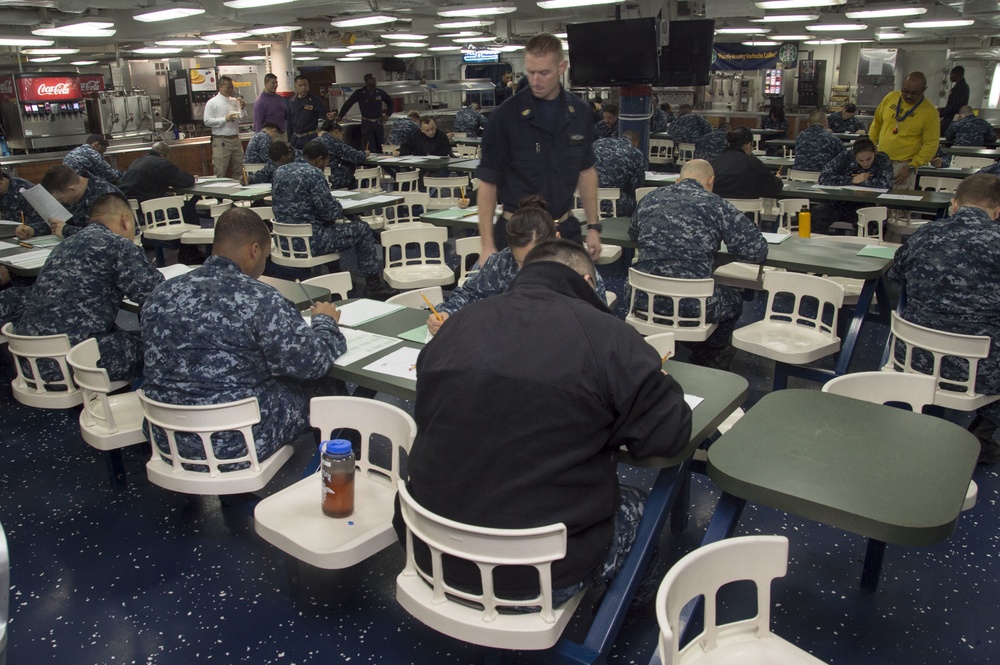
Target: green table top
<point>233,192</point>
<point>928,201</point>
<point>973,151</point>
<point>884,473</point>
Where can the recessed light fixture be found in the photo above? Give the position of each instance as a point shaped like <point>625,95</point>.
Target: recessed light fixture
<point>798,4</point>
<point>786,18</point>
<point>49,51</point>
<point>566,4</point>
<point>359,21</point>
<point>471,23</point>
<point>836,27</point>
<point>174,11</point>
<point>225,36</point>
<point>250,4</point>
<point>743,31</point>
<point>947,23</point>
<point>83,63</point>
<point>157,50</point>
<point>273,29</point>
<point>886,13</point>
<point>404,36</point>
<point>493,9</point>
<point>78,29</point>
<point>183,42</point>
<point>44,58</point>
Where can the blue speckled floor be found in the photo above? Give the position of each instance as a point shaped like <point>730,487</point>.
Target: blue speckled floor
<point>146,576</point>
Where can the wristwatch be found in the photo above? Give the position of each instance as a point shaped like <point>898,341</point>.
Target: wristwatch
<point>913,169</point>
<point>595,227</point>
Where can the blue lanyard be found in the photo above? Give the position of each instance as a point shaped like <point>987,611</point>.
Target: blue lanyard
<point>899,107</point>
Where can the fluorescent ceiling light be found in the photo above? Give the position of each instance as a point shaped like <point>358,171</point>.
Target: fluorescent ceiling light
<point>743,31</point>
<point>83,63</point>
<point>49,51</point>
<point>25,41</point>
<point>362,54</point>
<point>79,29</point>
<point>461,33</point>
<point>408,55</point>
<point>798,4</point>
<point>565,4</point>
<point>561,35</point>
<point>791,38</point>
<point>471,23</point>
<point>274,29</point>
<point>367,46</point>
<point>183,42</point>
<point>950,23</point>
<point>250,4</point>
<point>305,57</point>
<point>348,59</point>
<point>890,35</point>
<point>445,48</point>
<point>886,13</point>
<point>763,43</point>
<point>836,27</point>
<point>825,42</point>
<point>46,58</point>
<point>304,49</point>
<point>474,40</point>
<point>405,36</point>
<point>786,18</point>
<point>157,50</point>
<point>209,51</point>
<point>254,57</point>
<point>176,10</point>
<point>358,21</point>
<point>336,49</point>
<point>225,36</point>
<point>411,44</point>
<point>511,47</point>
<point>493,9</point>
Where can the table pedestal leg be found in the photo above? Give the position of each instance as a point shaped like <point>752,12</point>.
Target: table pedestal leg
<point>873,564</point>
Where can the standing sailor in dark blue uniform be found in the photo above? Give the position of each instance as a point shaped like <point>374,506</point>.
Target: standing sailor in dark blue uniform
<point>369,100</point>
<point>305,112</point>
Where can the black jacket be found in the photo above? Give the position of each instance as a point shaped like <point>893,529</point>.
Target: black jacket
<point>150,176</point>
<point>742,176</point>
<point>523,400</point>
<point>418,144</point>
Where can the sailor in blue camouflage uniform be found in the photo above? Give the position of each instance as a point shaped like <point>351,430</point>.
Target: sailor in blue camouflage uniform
<point>218,335</point>
<point>278,154</point>
<point>951,271</point>
<point>860,166</point>
<point>12,203</point>
<point>256,152</point>
<point>76,193</point>
<point>816,145</point>
<point>620,164</point>
<point>530,225</point>
<point>712,144</point>
<point>403,128</point>
<point>846,121</point>
<point>679,229</point>
<point>12,298</point>
<point>775,119</point>
<point>470,121</point>
<point>658,120</point>
<point>969,129</point>
<point>608,125</point>
<point>301,195</point>
<point>82,285</point>
<point>941,159</point>
<point>88,160</point>
<point>992,169</point>
<point>689,126</point>
<point>343,158</point>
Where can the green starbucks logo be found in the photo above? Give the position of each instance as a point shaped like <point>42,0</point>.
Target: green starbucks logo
<point>788,53</point>
<point>715,56</point>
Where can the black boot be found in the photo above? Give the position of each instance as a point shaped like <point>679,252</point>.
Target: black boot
<point>376,289</point>
<point>989,449</point>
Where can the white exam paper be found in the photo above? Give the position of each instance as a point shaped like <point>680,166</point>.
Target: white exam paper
<point>899,197</point>
<point>693,400</point>
<point>362,311</point>
<point>401,363</point>
<point>775,238</point>
<point>45,204</point>
<point>362,344</point>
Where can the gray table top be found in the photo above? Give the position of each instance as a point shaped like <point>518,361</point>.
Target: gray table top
<point>881,472</point>
<point>945,173</point>
<point>234,191</point>
<point>928,201</point>
<point>971,151</point>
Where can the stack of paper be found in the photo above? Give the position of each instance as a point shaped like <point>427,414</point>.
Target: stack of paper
<point>175,270</point>
<point>28,260</point>
<point>8,245</point>
<point>43,241</point>
<point>362,344</point>
<point>337,193</point>
<point>370,201</point>
<point>355,313</point>
<point>45,204</point>
<point>401,363</point>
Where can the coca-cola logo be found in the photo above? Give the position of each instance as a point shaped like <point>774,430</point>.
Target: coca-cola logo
<point>52,90</point>
<point>93,85</point>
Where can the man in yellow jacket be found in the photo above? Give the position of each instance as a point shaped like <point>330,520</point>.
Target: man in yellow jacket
<point>907,129</point>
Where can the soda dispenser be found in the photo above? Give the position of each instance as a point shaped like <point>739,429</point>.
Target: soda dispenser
<point>43,111</point>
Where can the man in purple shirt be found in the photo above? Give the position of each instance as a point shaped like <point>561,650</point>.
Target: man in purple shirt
<point>270,106</point>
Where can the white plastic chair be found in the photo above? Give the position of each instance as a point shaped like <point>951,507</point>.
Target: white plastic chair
<point>338,283</point>
<point>788,209</point>
<point>971,162</point>
<point>467,151</point>
<point>939,184</point>
<point>389,149</point>
<point>169,223</point>
<point>253,168</point>
<point>664,343</point>
<point>752,208</point>
<point>413,300</point>
<point>466,248</point>
<point>609,194</point>
<point>684,153</point>
<point>266,213</point>
<point>292,519</point>
<point>794,338</point>
<point>661,151</point>
<point>741,275</point>
<point>404,212</point>
<point>685,329</point>
<point>31,389</point>
<point>876,214</point>
<point>641,192</point>
<point>369,179</point>
<point>952,393</point>
<point>803,176</point>
<point>473,617</point>
<point>407,181</point>
<point>445,192</point>
<point>759,559</point>
<point>285,253</point>
<point>422,268</point>
<point>916,390</point>
<point>203,421</point>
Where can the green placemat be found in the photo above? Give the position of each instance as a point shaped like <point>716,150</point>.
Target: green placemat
<point>418,335</point>
<point>452,213</point>
<point>878,252</point>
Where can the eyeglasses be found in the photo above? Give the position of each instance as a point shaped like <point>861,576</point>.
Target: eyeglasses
<point>912,92</point>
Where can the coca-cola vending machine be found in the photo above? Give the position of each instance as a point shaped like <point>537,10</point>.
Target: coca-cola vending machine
<point>43,111</point>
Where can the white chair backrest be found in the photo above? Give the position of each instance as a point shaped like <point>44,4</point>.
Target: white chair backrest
<point>972,162</point>
<point>803,176</point>
<point>487,549</point>
<point>664,343</point>
<point>939,345</point>
<point>684,152</point>
<point>94,382</point>
<point>752,208</point>
<point>610,194</point>
<point>388,148</point>
<point>409,237</point>
<point>265,212</point>
<point>203,421</point>
<point>253,168</point>
<point>216,211</point>
<point>445,192</point>
<point>466,248</point>
<point>413,299</point>
<point>30,349</point>
<point>759,559</point>
<point>788,210</point>
<point>284,240</point>
<point>470,151</point>
<point>661,151</point>
<point>369,179</point>
<point>407,181</point>
<point>161,212</point>
<point>641,192</point>
<point>338,283</point>
<point>827,296</point>
<point>876,214</point>
<point>648,322</point>
<point>939,184</point>
<point>916,390</point>
<point>406,212</point>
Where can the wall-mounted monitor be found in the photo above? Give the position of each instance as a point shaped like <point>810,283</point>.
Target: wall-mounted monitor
<point>687,58</point>
<point>613,52</point>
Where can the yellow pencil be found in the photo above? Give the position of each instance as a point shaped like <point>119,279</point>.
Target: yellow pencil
<point>431,306</point>
<point>665,358</point>
<point>462,190</point>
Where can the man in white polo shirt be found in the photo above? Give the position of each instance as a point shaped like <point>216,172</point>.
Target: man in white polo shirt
<point>222,114</point>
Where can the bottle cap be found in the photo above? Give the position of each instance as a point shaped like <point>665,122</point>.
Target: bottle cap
<point>335,447</point>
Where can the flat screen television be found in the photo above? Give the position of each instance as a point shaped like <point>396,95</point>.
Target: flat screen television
<point>688,57</point>
<point>613,52</point>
